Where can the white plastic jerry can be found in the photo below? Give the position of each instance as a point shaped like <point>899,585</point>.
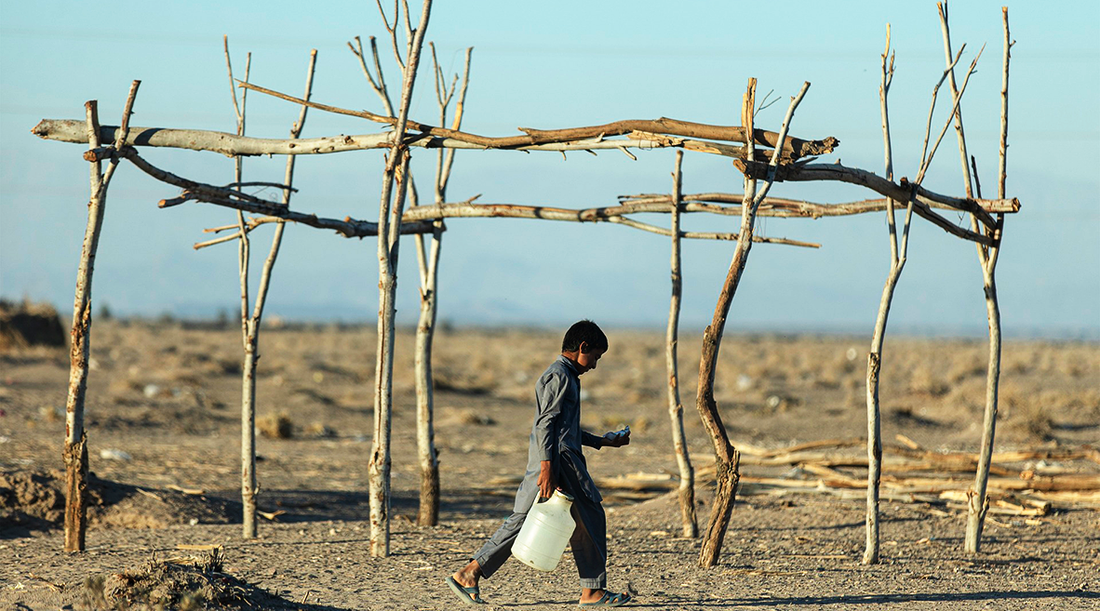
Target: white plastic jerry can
<point>545,532</point>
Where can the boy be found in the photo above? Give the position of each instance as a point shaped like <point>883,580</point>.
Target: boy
<point>555,461</point>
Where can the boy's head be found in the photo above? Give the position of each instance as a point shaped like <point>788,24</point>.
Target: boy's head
<point>586,332</point>
<point>584,344</point>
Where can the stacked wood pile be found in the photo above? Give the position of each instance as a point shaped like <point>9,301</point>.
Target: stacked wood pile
<point>1027,482</point>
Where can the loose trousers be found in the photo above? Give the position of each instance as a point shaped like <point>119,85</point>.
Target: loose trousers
<point>589,543</point>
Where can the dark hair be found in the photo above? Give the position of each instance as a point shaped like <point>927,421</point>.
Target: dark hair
<point>587,332</point>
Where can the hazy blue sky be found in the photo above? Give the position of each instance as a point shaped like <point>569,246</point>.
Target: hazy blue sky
<point>554,65</point>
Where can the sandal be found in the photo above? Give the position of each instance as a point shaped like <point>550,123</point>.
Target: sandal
<point>609,599</point>
<point>470,596</point>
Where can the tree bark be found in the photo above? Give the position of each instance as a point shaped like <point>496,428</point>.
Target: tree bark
<point>689,525</point>
<point>248,437</point>
<point>428,514</point>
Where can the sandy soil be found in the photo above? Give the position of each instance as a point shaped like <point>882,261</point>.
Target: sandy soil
<point>163,427</point>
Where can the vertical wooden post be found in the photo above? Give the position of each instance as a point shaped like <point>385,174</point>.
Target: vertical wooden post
<point>978,502</point>
<point>389,226</point>
<point>727,458</point>
<point>75,451</point>
<point>428,514</point>
<point>874,357</point>
<point>689,525</point>
<point>250,323</point>
<point>249,338</point>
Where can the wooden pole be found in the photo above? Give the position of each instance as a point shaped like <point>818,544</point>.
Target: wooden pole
<point>75,450</point>
<point>791,148</point>
<point>248,338</point>
<point>978,501</point>
<point>689,525</point>
<point>428,514</point>
<point>389,226</point>
<point>727,459</point>
<point>251,321</point>
<point>581,139</point>
<point>874,357</point>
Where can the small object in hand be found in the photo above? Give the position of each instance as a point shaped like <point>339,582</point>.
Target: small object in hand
<point>618,435</point>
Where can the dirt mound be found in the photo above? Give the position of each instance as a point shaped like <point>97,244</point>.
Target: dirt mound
<point>35,501</point>
<point>183,583</point>
<point>29,324</point>
<point>30,501</point>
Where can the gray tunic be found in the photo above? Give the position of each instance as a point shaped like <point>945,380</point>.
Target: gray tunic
<point>556,436</point>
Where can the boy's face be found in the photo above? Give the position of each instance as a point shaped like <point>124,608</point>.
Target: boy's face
<point>587,358</point>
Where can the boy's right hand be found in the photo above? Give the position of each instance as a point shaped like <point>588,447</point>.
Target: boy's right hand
<point>546,480</point>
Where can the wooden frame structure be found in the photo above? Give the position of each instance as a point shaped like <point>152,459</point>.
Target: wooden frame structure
<point>788,159</point>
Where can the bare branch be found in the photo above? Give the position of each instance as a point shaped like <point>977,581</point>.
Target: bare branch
<point>231,145</point>
<point>960,132</point>
<point>288,178</point>
<point>901,192</point>
<point>1004,106</point>
<point>228,198</point>
<point>610,214</point>
<point>460,106</point>
<point>260,183</point>
<point>932,106</point>
<point>774,165</point>
<point>954,109</point>
<point>232,87</point>
<point>794,147</point>
<point>379,87</point>
<point>120,137</point>
<point>792,208</point>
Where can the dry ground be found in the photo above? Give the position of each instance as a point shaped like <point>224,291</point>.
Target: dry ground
<point>163,428</point>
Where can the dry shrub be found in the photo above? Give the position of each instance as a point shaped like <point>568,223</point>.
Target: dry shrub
<point>642,395</point>
<point>276,426</point>
<point>453,415</point>
<point>923,382</point>
<point>29,324</point>
<point>321,430</point>
<point>1033,421</point>
<point>463,383</point>
<point>778,402</point>
<point>1015,364</point>
<point>967,396</point>
<point>826,382</point>
<point>1075,368</point>
<point>968,366</point>
<point>1091,400</point>
<point>182,584</point>
<point>50,413</point>
<point>854,383</point>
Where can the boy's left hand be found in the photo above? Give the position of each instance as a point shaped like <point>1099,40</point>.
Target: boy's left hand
<point>616,439</point>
